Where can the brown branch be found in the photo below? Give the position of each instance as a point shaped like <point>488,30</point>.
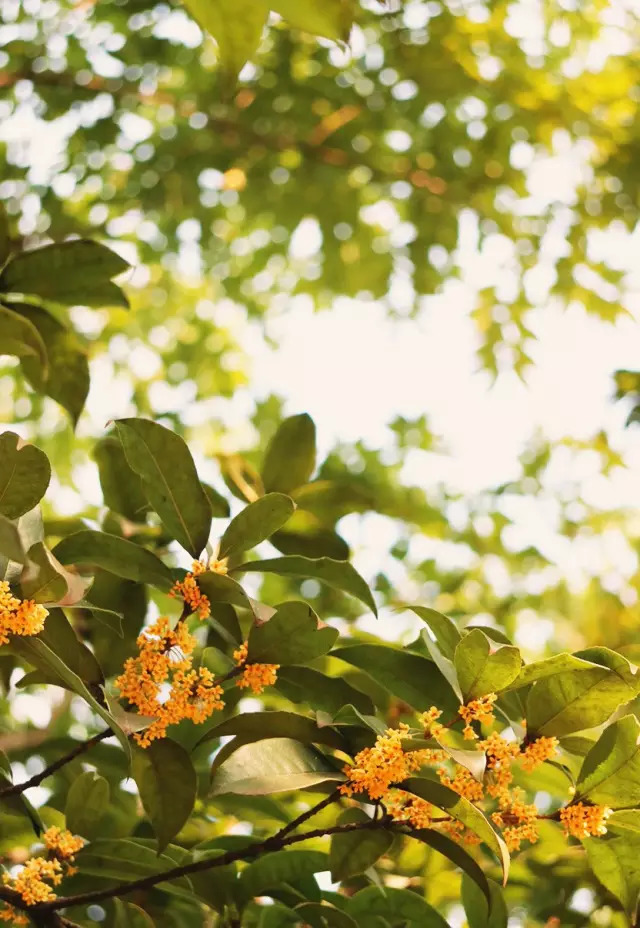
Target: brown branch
<point>253,850</point>
<point>56,765</point>
<point>319,806</point>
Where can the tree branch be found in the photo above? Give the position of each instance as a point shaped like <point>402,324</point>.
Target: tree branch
<point>274,843</point>
<point>56,765</point>
<point>319,806</point>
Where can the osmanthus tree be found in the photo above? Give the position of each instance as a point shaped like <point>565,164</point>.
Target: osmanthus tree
<point>410,776</point>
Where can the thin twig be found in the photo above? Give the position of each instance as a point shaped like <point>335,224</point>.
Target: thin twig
<point>36,780</point>
<point>319,806</point>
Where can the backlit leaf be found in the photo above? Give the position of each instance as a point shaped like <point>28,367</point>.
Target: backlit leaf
<point>290,457</point>
<point>25,473</point>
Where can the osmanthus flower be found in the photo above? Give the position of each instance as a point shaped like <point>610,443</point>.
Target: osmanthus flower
<point>31,883</point>
<point>517,819</point>
<point>19,616</point>
<point>9,914</point>
<point>537,752</point>
<point>405,807</point>
<point>254,676</point>
<point>189,590</point>
<point>478,710</point>
<point>582,820</point>
<point>386,764</point>
<point>463,783</point>
<point>500,755</point>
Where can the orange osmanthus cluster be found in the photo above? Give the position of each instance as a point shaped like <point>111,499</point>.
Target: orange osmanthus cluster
<point>19,616</point>
<point>36,878</point>
<point>254,676</point>
<point>164,661</point>
<point>379,772</point>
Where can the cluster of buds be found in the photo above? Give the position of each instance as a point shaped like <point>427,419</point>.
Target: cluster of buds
<point>19,616</point>
<point>36,879</point>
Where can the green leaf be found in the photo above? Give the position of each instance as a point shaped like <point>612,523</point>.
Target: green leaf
<point>121,487</point>
<point>311,542</point>
<point>241,477</point>
<point>167,784</point>
<point>549,667</point>
<point>481,914</point>
<point>290,457</point>
<point>45,580</point>
<point>354,852</point>
<point>458,856</point>
<point>39,654</point>
<point>610,773</point>
<point>480,671</point>
<point>220,588</point>
<point>461,809</point>
<point>320,915</point>
<point>272,766</point>
<point>583,698</point>
<point>125,859</point>
<point>290,636</point>
<point>331,19</point>
<point>256,726</point>
<point>67,375</point>
<point>271,870</point>
<point>20,338</point>
<point>236,25</point>
<point>25,473</point>
<point>410,677</point>
<point>256,522</point>
<point>337,574</point>
<point>17,804</point>
<point>615,861</point>
<point>87,802</point>
<point>444,630</point>
<point>170,481</point>
<point>328,694</point>
<point>59,635</point>
<point>129,915</point>
<point>220,508</point>
<point>74,273</point>
<point>10,541</point>
<point>398,906</point>
<point>117,555</point>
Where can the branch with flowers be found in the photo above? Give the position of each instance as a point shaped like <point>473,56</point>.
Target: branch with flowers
<point>423,746</point>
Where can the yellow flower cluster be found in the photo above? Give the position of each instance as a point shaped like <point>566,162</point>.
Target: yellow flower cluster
<point>384,765</point>
<point>478,710</point>
<point>164,659</point>
<point>254,676</point>
<point>405,807</point>
<point>190,592</point>
<point>429,721</point>
<point>537,752</point>
<point>61,843</point>
<point>582,820</point>
<point>9,914</point>
<point>30,882</point>
<point>18,616</point>
<point>517,819</point>
<point>500,755</point>
<point>463,783</point>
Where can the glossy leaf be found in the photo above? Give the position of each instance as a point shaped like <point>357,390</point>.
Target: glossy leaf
<point>337,574</point>
<point>290,457</point>
<point>220,588</point>
<point>615,861</point>
<point>256,726</point>
<point>127,859</point>
<point>327,693</point>
<point>464,811</point>
<point>443,629</point>
<point>117,555</point>
<point>354,852</point>
<point>272,766</point>
<point>255,523</point>
<point>87,802</point>
<point>167,784</point>
<point>286,866</point>
<point>75,272</point>
<point>479,670</point>
<point>402,906</point>
<point>25,473</point>
<point>170,481</point>
<point>291,636</point>
<point>610,773</point>
<point>408,676</point>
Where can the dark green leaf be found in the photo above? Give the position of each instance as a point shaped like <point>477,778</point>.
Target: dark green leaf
<point>18,337</point>
<point>354,852</point>
<point>329,694</point>
<point>87,802</point>
<point>287,866</point>
<point>481,914</point>
<point>121,487</point>
<point>45,580</point>
<point>324,916</point>
<point>129,915</point>
<point>398,906</point>
<point>313,543</point>
<point>170,481</point>
<point>220,588</point>
<point>25,473</point>
<point>444,630</point>
<point>10,541</point>
<point>461,809</point>
<point>290,457</point>
<point>167,784</point>
<point>256,726</point>
<point>60,637</point>
<point>338,574</point>
<point>256,522</point>
<point>67,374</point>
<point>273,766</point>
<point>291,636</point>
<point>457,855</point>
<point>75,272</point>
<point>117,555</point>
<point>480,671</point>
<point>610,774</point>
<point>410,677</point>
<point>220,508</point>
<point>126,859</point>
